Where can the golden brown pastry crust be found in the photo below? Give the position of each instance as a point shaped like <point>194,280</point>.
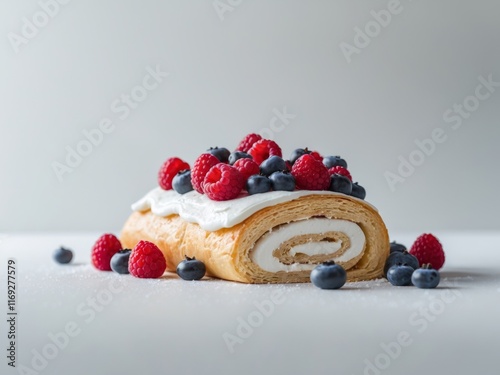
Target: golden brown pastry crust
<point>226,252</point>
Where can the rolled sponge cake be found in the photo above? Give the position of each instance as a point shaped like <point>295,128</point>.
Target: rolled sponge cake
<point>280,243</point>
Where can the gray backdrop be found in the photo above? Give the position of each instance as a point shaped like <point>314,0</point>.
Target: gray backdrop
<point>406,91</point>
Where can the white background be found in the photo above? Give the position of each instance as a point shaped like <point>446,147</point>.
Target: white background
<point>225,79</point>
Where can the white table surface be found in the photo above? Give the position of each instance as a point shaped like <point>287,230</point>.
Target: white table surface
<point>170,326</point>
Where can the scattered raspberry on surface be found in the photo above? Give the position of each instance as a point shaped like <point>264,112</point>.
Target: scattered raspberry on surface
<point>223,182</point>
<point>103,250</point>
<point>310,174</point>
<point>428,249</point>
<point>168,171</point>
<point>147,261</point>
<point>264,148</point>
<point>200,168</point>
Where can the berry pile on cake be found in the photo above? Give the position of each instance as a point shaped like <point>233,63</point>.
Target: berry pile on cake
<point>257,166</point>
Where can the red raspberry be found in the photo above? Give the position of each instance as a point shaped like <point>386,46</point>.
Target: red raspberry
<point>168,171</point>
<point>340,170</point>
<point>310,174</point>
<point>105,247</point>
<point>264,148</point>
<point>316,155</point>
<point>223,182</point>
<point>200,168</point>
<point>147,261</point>
<point>247,167</point>
<point>247,142</point>
<point>428,249</point>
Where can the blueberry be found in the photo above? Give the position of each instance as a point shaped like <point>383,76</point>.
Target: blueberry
<point>238,155</point>
<point>340,184</point>
<point>425,277</point>
<point>297,153</point>
<point>358,191</point>
<point>182,182</point>
<point>328,275</point>
<point>191,269</point>
<point>397,247</point>
<point>63,255</point>
<point>272,164</point>
<point>333,161</point>
<point>400,275</point>
<point>220,153</point>
<point>119,261</point>
<point>400,259</point>
<point>258,184</point>
<point>282,181</point>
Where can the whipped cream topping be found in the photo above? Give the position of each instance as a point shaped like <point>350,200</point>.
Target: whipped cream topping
<point>262,253</point>
<point>214,215</point>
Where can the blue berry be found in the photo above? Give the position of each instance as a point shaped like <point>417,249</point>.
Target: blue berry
<point>397,247</point>
<point>220,153</point>
<point>258,184</point>
<point>182,182</point>
<point>425,277</point>
<point>272,164</point>
<point>119,261</point>
<point>297,153</point>
<point>328,275</point>
<point>191,269</point>
<point>282,181</point>
<point>63,255</point>
<point>400,275</point>
<point>333,161</point>
<point>400,259</point>
<point>238,155</point>
<point>358,191</point>
<point>340,184</point>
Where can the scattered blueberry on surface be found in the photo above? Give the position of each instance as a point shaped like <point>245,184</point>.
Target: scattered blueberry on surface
<point>400,275</point>
<point>191,269</point>
<point>119,261</point>
<point>358,191</point>
<point>272,164</point>
<point>182,182</point>
<point>340,184</point>
<point>426,277</point>
<point>257,184</point>
<point>328,275</point>
<point>238,155</point>
<point>397,247</point>
<point>220,153</point>
<point>63,255</point>
<point>400,259</point>
<point>333,161</point>
<point>282,181</point>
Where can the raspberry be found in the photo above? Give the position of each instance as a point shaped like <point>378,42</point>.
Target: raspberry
<point>103,250</point>
<point>168,171</point>
<point>316,155</point>
<point>147,261</point>
<point>261,150</point>
<point>247,142</point>
<point>247,167</point>
<point>428,249</point>
<point>310,174</point>
<point>340,170</point>
<point>200,168</point>
<point>223,182</point>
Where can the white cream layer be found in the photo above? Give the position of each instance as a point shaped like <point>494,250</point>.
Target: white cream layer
<point>213,215</point>
<point>262,253</point>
